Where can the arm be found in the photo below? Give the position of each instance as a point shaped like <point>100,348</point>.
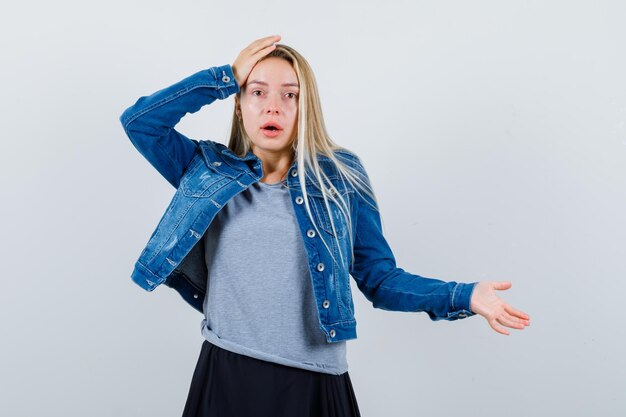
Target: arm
<point>149,123</point>
<point>389,287</point>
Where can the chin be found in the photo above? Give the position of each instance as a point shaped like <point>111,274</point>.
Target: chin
<point>274,148</point>
<point>273,145</point>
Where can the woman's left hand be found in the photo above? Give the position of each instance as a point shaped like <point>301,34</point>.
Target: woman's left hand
<point>485,302</point>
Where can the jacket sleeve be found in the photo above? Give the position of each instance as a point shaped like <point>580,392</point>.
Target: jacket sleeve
<point>389,287</point>
<point>149,123</point>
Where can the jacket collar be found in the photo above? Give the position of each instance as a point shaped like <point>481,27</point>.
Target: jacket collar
<point>249,156</point>
<point>217,155</point>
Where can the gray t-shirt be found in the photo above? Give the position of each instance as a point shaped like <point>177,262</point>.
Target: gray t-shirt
<point>259,300</point>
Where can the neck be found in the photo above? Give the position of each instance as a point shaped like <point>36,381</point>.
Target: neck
<point>275,166</point>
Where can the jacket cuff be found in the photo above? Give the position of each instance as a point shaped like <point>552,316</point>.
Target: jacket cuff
<point>460,301</point>
<point>225,78</point>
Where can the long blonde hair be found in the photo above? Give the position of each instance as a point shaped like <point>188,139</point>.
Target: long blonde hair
<point>312,139</point>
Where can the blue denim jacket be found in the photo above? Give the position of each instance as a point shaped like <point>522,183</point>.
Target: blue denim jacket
<point>207,174</point>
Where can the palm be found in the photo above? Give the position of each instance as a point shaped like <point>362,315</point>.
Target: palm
<point>497,313</point>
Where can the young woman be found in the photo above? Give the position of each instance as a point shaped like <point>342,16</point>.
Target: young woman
<point>263,235</point>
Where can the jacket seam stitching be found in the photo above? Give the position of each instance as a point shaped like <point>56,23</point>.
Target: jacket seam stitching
<point>174,228</point>
<point>169,98</point>
<point>452,297</point>
<point>341,321</point>
<point>149,270</point>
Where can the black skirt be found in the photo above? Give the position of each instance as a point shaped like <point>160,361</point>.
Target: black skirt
<point>227,384</point>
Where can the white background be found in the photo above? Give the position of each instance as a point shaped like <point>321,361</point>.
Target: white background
<point>493,132</point>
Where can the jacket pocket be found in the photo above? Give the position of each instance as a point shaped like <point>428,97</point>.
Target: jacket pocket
<point>323,216</point>
<point>200,180</point>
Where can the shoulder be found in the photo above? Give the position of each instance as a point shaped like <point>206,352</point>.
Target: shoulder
<point>345,156</point>
<point>212,146</point>
<point>350,159</point>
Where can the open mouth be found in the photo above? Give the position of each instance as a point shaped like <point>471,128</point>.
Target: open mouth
<point>271,126</point>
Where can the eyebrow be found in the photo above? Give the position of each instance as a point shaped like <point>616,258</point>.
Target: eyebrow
<point>264,83</point>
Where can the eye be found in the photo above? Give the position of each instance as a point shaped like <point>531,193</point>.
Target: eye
<point>293,95</point>
<point>256,91</point>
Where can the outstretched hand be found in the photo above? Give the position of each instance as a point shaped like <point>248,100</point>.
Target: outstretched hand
<point>250,55</point>
<point>485,302</point>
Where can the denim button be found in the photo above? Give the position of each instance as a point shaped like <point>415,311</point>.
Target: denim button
<point>462,315</point>
<point>332,333</point>
<point>299,200</point>
<point>294,172</point>
<point>195,296</point>
<point>310,233</point>
<point>225,77</point>
<point>320,266</point>
<point>217,163</point>
<point>326,304</point>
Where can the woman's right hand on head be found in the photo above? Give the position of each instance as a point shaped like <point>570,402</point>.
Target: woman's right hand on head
<point>248,57</point>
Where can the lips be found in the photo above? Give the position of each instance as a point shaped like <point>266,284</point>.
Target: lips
<point>271,126</point>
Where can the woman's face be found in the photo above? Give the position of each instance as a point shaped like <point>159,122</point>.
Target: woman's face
<point>270,95</point>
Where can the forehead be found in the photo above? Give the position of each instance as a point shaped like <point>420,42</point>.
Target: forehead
<point>273,72</point>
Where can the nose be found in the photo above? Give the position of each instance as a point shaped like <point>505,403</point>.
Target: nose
<point>272,105</point>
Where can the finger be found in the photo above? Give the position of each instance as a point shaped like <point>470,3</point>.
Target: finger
<point>270,38</point>
<point>494,325</point>
<point>510,321</point>
<point>248,57</point>
<point>516,313</point>
<point>255,55</point>
<point>263,40</point>
<point>262,52</point>
<point>502,285</point>
<point>263,43</point>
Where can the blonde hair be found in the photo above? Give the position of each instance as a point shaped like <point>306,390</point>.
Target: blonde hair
<point>312,140</point>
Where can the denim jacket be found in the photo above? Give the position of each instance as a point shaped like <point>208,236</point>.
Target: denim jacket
<point>207,174</point>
